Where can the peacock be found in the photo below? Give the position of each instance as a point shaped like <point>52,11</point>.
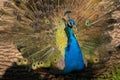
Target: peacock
<point>59,35</point>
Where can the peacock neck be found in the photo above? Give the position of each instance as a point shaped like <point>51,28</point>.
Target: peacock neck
<point>69,32</point>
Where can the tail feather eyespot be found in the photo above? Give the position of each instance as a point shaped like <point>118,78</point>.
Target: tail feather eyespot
<point>34,66</point>
<point>19,62</point>
<point>25,61</point>
<point>96,60</point>
<point>40,64</point>
<point>87,23</point>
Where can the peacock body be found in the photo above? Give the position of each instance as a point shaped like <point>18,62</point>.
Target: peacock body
<point>47,42</point>
<point>73,49</point>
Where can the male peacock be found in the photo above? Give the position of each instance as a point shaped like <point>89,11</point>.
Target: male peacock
<point>50,41</point>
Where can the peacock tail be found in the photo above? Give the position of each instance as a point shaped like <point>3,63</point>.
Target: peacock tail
<point>42,38</point>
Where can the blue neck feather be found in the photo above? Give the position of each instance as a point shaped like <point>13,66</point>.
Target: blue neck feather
<point>73,55</point>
